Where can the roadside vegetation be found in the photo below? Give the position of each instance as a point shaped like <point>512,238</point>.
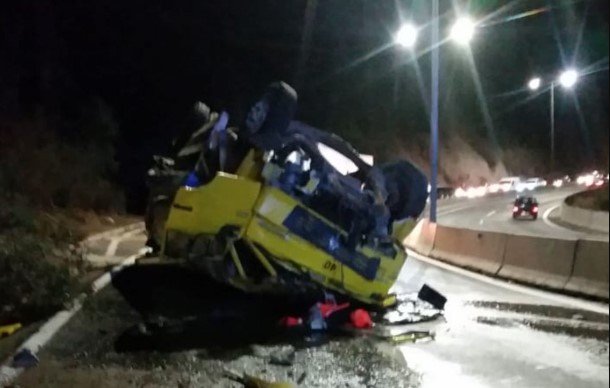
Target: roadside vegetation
<point>56,186</point>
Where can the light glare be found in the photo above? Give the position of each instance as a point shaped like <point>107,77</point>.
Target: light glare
<point>535,83</point>
<point>463,31</point>
<point>407,35</point>
<point>568,78</point>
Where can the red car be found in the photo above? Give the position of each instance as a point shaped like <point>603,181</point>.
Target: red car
<point>526,206</point>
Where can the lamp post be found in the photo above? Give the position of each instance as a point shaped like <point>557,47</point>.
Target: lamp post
<point>434,113</point>
<point>462,33</point>
<point>568,79</point>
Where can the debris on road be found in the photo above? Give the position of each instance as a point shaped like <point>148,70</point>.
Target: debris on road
<point>9,330</point>
<point>301,379</point>
<point>25,359</point>
<point>430,295</point>
<point>361,319</point>
<point>412,337</point>
<point>425,306</point>
<point>181,352</point>
<point>253,382</point>
<point>321,312</point>
<point>290,322</point>
<point>283,357</point>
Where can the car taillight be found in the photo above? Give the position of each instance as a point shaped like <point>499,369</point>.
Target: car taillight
<point>535,209</point>
<point>515,209</point>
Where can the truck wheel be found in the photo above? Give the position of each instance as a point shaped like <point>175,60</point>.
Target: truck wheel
<point>269,118</point>
<point>407,189</point>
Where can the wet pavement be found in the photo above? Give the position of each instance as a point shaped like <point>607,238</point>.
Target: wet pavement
<point>163,326</point>
<point>501,337</point>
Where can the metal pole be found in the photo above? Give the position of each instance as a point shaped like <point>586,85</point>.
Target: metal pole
<point>553,127</point>
<point>434,113</point>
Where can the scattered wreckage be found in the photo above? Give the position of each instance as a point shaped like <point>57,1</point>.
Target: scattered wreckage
<point>8,330</point>
<point>264,209</point>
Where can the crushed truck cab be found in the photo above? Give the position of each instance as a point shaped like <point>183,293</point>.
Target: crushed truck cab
<point>275,215</point>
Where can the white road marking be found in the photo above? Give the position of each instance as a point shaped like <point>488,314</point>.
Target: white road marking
<point>114,242</point>
<point>546,219</point>
<point>35,343</point>
<point>456,210</point>
<point>115,232</point>
<point>106,278</point>
<point>599,308</point>
<point>490,214</point>
<point>112,247</point>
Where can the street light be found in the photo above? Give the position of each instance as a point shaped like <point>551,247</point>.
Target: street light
<point>568,79</point>
<point>407,36</point>
<point>463,31</point>
<point>535,83</point>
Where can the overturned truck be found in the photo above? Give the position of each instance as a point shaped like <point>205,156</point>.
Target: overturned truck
<point>265,207</point>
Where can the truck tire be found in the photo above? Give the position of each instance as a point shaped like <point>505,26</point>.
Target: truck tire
<point>407,190</point>
<point>268,119</point>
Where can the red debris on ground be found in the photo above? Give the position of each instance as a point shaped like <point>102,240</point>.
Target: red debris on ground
<point>361,319</point>
<point>291,322</point>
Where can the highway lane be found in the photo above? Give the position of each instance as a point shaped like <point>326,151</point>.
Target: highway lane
<point>494,214</point>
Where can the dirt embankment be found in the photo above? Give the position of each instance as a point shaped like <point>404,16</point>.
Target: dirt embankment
<point>460,164</point>
<point>597,200</point>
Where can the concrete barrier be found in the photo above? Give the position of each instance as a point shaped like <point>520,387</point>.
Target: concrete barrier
<point>568,265</point>
<point>590,275</point>
<point>482,251</point>
<point>421,239</point>
<point>584,218</point>
<point>601,221</point>
<point>539,261</point>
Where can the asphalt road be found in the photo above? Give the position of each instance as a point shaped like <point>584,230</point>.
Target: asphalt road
<point>494,334</point>
<point>498,334</point>
<point>494,214</point>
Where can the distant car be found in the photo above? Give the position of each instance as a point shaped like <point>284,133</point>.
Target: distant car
<point>561,182</point>
<point>595,179</point>
<point>494,188</point>
<point>445,192</point>
<point>531,184</point>
<point>509,184</point>
<point>526,206</point>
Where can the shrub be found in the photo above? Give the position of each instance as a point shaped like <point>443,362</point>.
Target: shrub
<point>49,161</point>
<point>31,287</point>
<point>73,168</point>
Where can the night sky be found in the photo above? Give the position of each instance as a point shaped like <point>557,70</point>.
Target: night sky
<point>151,60</point>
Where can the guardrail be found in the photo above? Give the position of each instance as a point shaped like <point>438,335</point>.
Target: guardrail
<point>565,265</point>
